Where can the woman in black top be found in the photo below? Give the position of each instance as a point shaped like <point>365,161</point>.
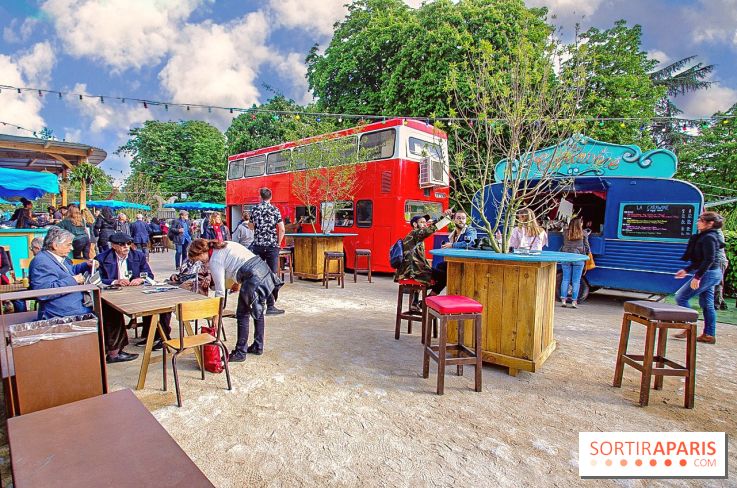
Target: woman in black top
<point>104,227</point>
<point>702,252</point>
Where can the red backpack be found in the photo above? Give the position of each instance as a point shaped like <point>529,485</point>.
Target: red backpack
<point>212,357</point>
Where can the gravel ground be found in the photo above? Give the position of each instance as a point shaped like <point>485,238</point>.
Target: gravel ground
<point>336,401</point>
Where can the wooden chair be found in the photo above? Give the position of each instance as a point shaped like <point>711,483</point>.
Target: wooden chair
<point>187,312</point>
<point>331,256</point>
<point>285,260</point>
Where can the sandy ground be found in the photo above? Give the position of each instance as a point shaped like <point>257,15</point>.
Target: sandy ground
<point>336,401</point>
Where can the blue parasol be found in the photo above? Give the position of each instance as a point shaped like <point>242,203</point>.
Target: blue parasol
<point>16,183</point>
<point>195,206</point>
<point>117,204</point>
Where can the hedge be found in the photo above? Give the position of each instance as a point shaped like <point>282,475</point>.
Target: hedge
<point>731,279</point>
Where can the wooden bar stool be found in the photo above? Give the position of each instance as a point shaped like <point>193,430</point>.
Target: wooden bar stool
<point>410,287</point>
<point>366,253</point>
<point>285,260</point>
<point>658,317</point>
<point>452,308</point>
<point>331,256</point>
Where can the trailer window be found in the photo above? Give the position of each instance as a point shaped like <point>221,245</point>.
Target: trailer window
<point>235,170</point>
<point>415,207</point>
<point>364,213</point>
<point>424,149</point>
<point>255,166</point>
<point>278,162</point>
<point>306,213</point>
<point>379,145</point>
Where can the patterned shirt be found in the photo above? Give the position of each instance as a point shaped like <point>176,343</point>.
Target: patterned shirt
<point>265,217</point>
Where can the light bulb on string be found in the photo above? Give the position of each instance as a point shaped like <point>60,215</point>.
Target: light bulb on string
<point>145,105</point>
<point>102,100</point>
<point>59,95</point>
<point>80,97</point>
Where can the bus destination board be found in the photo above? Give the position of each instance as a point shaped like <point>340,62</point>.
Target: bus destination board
<point>657,221</point>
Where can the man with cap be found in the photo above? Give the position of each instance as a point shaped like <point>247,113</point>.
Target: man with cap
<point>415,265</point>
<point>123,266</point>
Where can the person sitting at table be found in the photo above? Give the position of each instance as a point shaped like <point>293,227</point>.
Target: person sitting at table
<point>193,276</point>
<point>256,280</point>
<point>26,220</point>
<point>18,211</point>
<point>415,265</point>
<point>463,236</point>
<point>36,245</point>
<point>123,266</point>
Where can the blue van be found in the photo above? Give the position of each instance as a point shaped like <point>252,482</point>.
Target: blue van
<point>639,218</point>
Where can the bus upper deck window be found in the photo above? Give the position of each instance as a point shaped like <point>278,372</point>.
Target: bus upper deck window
<point>380,144</point>
<point>278,162</point>
<point>235,170</point>
<point>424,149</point>
<point>255,166</point>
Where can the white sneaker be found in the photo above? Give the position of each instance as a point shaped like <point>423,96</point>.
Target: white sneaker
<point>563,302</point>
<point>574,304</point>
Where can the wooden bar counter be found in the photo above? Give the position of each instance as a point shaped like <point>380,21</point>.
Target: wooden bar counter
<point>309,252</point>
<point>518,294</point>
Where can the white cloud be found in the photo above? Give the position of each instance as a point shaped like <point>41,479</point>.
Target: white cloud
<point>110,115</point>
<point>217,64</point>
<point>713,21</point>
<point>662,58</point>
<point>705,103</point>
<point>31,68</point>
<point>292,68</point>
<point>119,33</point>
<point>24,30</point>
<point>567,9</point>
<point>314,16</point>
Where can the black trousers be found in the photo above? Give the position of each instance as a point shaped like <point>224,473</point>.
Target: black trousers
<point>242,314</point>
<point>271,256</point>
<point>81,248</point>
<point>114,331</point>
<point>440,277</point>
<point>164,318</point>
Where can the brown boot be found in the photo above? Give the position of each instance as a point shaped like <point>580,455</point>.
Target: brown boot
<point>706,339</point>
<point>682,335</point>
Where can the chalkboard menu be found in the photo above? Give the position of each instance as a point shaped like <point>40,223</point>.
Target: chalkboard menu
<point>657,221</point>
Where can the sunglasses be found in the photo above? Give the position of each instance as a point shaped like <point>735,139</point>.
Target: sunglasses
<point>123,244</point>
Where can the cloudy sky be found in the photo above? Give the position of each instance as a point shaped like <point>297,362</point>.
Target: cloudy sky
<point>239,52</point>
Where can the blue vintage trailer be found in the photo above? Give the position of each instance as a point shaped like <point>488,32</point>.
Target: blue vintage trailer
<point>640,218</point>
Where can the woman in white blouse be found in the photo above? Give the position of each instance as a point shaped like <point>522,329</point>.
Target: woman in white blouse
<point>230,260</point>
<point>528,234</point>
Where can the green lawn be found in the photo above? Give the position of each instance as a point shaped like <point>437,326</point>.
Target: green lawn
<point>728,316</point>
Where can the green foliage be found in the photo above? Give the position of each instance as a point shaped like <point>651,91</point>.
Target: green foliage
<point>730,281</point>
<point>618,83</point>
<point>711,158</point>
<point>184,157</point>
<point>141,188</point>
<point>386,58</point>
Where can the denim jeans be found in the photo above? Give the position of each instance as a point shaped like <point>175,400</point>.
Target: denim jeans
<point>572,273</point>
<point>271,256</point>
<point>705,291</point>
<point>181,253</point>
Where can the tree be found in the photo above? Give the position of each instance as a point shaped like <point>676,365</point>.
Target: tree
<point>185,157</point>
<point>710,158</point>
<point>83,177</point>
<point>516,111</point>
<point>618,83</point>
<point>386,58</point>
<point>678,78</point>
<point>141,188</point>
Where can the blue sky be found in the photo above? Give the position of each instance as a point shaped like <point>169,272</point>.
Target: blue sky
<point>226,52</point>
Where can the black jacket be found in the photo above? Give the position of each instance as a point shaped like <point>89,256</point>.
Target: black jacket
<point>702,252</point>
<point>257,283</point>
<point>104,228</point>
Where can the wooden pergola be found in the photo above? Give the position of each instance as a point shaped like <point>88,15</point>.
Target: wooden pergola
<point>32,154</point>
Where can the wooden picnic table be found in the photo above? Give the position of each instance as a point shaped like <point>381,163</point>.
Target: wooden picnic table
<point>132,301</point>
<point>108,440</point>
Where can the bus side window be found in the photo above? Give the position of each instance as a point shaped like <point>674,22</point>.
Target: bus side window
<point>235,170</point>
<point>364,213</point>
<point>380,144</point>
<point>278,162</point>
<point>302,215</point>
<point>255,165</point>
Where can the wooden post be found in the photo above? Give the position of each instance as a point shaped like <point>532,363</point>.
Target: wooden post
<point>82,194</point>
<point>64,195</point>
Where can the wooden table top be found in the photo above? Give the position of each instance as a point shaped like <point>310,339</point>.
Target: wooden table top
<point>108,440</point>
<point>130,300</point>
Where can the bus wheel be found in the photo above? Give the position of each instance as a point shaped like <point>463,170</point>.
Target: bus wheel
<point>583,291</point>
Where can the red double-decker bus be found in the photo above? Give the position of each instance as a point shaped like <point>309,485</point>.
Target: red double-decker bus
<point>409,176</point>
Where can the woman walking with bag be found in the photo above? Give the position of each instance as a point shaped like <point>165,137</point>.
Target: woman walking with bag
<point>575,241</point>
<point>702,251</point>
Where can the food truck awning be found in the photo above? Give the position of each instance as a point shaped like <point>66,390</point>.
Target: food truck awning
<point>195,206</point>
<point>16,183</point>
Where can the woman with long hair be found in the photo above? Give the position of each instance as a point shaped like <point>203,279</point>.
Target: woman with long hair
<point>217,230</point>
<point>230,260</point>
<point>104,227</point>
<point>702,252</point>
<point>575,241</point>
<point>26,220</point>
<point>528,234</point>
<point>74,223</point>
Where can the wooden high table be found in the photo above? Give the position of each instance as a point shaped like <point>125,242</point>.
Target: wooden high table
<point>309,252</point>
<point>518,294</point>
<point>131,301</point>
<point>108,440</point>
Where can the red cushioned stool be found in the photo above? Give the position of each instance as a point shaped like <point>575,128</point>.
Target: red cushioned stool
<point>452,308</point>
<point>409,287</point>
